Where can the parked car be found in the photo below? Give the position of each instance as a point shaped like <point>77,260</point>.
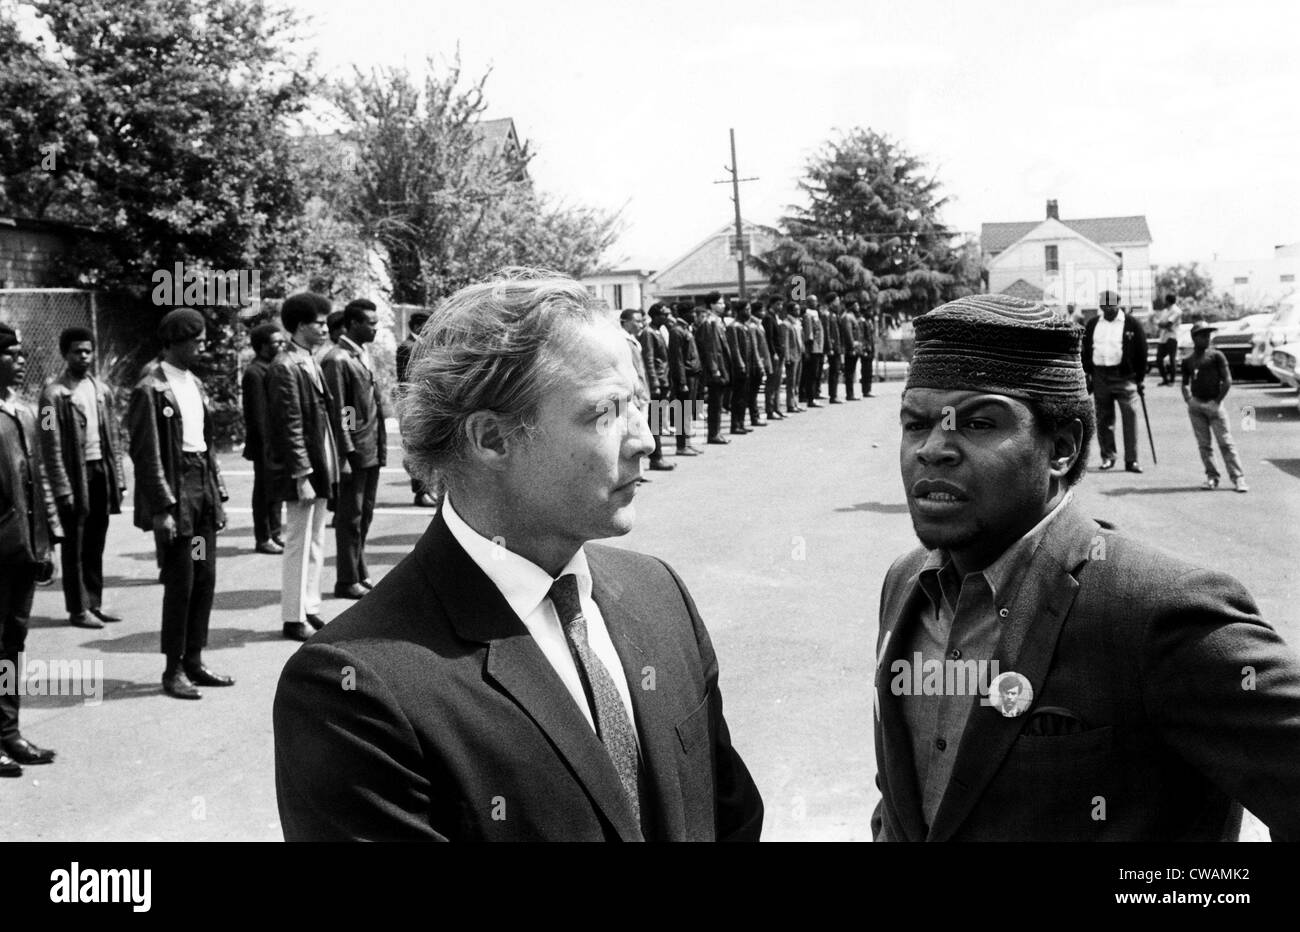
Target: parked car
<point>1284,327</point>
<point>1234,338</point>
<point>1282,363</point>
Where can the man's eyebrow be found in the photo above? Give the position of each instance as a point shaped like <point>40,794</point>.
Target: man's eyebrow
<point>962,407</point>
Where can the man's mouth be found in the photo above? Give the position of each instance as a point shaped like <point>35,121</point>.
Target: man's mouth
<point>938,491</point>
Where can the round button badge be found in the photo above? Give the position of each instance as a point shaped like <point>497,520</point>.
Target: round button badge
<point>1010,693</point>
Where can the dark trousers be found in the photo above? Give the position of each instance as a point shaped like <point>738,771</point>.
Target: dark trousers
<point>819,372</point>
<point>1108,387</point>
<point>793,382</point>
<point>683,411</point>
<point>82,550</point>
<point>773,386</point>
<point>266,507</point>
<point>17,588</point>
<point>833,376</point>
<point>189,566</point>
<point>717,392</point>
<point>850,370</point>
<point>752,393</point>
<point>356,508</point>
<point>739,401</point>
<point>812,375</point>
<point>868,363</point>
<point>1167,349</point>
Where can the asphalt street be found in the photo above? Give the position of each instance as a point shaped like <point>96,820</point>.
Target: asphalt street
<point>783,538</point>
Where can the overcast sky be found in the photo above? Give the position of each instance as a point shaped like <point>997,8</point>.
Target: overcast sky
<point>1185,112</point>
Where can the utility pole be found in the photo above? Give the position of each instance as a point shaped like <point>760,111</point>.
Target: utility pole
<point>735,181</point>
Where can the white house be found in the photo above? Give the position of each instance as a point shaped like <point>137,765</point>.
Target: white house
<point>1068,263</point>
<point>621,288</point>
<point>711,265</point>
<point>1256,283</point>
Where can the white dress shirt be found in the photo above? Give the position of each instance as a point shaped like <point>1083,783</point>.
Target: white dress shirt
<point>525,585</point>
<point>1108,341</point>
<point>186,389</point>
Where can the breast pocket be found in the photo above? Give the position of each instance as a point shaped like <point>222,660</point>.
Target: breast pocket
<point>1066,781</point>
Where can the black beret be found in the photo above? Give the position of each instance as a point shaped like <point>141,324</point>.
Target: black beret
<point>180,325</point>
<point>8,336</point>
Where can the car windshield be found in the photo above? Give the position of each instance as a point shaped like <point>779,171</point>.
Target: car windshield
<point>1288,315</point>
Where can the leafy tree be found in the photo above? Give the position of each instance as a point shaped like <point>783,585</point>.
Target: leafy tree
<point>446,209</point>
<point>871,228</point>
<point>1188,283</point>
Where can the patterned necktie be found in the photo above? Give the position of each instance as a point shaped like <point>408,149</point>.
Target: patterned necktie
<point>612,723</point>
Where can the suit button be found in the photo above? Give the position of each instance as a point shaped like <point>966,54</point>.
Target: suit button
<point>1003,613</point>
<point>940,744</point>
<point>955,654</point>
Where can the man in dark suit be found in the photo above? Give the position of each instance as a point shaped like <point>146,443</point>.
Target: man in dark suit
<point>740,358</point>
<point>683,379</point>
<point>768,313</point>
<point>178,496</point>
<point>654,357</point>
<point>1115,361</point>
<point>362,441</point>
<point>304,459</point>
<point>851,341</point>
<point>268,342</point>
<point>715,359</point>
<point>830,312</point>
<point>29,528</point>
<point>814,348</point>
<point>1040,676</point>
<point>868,357</point>
<point>81,447</point>
<point>758,361</point>
<point>403,358</point>
<point>509,680</point>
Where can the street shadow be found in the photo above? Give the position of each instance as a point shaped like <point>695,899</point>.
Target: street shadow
<point>112,689</point>
<point>1159,490</point>
<point>241,599</point>
<point>129,582</point>
<point>1290,467</point>
<point>880,508</point>
<point>148,642</point>
<point>392,540</point>
<point>152,556</point>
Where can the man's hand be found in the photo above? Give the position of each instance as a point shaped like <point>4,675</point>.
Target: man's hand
<point>164,525</point>
<point>305,491</point>
<point>356,461</point>
<point>1140,389</point>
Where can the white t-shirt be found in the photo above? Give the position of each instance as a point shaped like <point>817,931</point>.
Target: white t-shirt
<point>185,386</point>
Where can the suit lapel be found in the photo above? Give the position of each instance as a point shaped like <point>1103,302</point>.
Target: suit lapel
<point>654,724</point>
<point>1036,612</point>
<point>897,767</point>
<point>478,612</point>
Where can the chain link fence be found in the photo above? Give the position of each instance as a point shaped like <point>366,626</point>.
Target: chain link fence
<point>40,315</point>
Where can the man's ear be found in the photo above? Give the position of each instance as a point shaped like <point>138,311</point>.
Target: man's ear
<point>487,438</point>
<point>1067,446</point>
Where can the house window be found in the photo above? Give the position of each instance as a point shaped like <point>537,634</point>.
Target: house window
<point>1242,280</point>
<point>591,290</point>
<point>1053,262</point>
<point>1288,278</point>
<point>618,297</point>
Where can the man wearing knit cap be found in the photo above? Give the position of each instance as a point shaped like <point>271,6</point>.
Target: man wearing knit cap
<point>178,496</point>
<point>1115,361</point>
<point>1151,700</point>
<point>29,527</point>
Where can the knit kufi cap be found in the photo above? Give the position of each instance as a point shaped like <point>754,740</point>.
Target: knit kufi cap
<point>998,344</point>
<point>9,336</point>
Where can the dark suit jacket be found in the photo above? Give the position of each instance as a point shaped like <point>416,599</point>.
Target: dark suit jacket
<point>739,351</point>
<point>302,435</point>
<point>29,521</point>
<point>715,357</point>
<point>154,424</point>
<point>358,408</point>
<point>683,358</point>
<point>654,356</point>
<point>454,713</point>
<point>254,387</point>
<point>1149,654</point>
<point>63,445</point>
<point>1133,364</point>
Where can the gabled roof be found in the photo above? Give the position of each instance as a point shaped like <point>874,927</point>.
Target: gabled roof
<point>1023,290</point>
<point>995,237</point>
<point>715,267</point>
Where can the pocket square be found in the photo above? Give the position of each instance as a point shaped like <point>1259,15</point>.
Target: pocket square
<point>1053,720</point>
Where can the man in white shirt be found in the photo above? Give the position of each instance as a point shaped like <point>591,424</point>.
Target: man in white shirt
<point>1167,340</point>
<point>1115,363</point>
<point>178,496</point>
<point>510,680</point>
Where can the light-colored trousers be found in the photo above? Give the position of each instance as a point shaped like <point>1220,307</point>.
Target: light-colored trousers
<point>1209,416</point>
<point>304,555</point>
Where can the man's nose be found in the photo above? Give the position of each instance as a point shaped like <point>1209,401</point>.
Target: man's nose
<point>938,446</point>
<point>638,429</point>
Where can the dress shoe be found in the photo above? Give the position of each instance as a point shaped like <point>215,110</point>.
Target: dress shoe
<point>84,620</point>
<point>24,752</point>
<point>1132,467</point>
<point>1241,485</point>
<point>9,767</point>
<point>739,430</point>
<point>776,414</point>
<point>104,614</point>
<point>1211,483</point>
<point>277,540</point>
<point>178,686</point>
<point>836,401</point>
<point>425,500</point>
<point>367,583</point>
<point>296,631</point>
<point>269,546</point>
<point>316,621</point>
<point>688,451</point>
<point>813,404</point>
<point>350,591</point>
<point>661,466</point>
<point>1107,463</point>
<point>202,676</point>
<point>719,440</point>
<point>758,424</point>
